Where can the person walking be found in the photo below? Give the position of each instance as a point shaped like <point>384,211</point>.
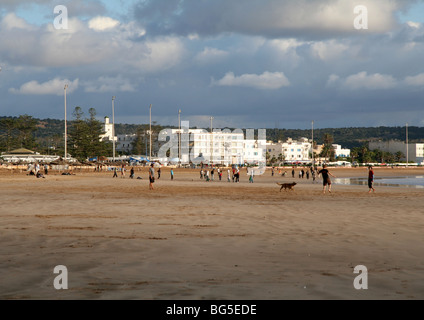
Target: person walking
<point>115,174</point>
<point>371,179</point>
<point>151,176</point>
<point>326,178</point>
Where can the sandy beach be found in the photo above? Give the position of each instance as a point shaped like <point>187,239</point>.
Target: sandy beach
<point>189,239</point>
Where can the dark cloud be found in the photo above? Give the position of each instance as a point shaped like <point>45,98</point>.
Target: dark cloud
<point>308,19</point>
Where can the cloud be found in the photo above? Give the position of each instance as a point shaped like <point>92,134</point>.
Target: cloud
<point>52,87</point>
<point>211,55</point>
<point>268,18</point>
<point>102,23</point>
<point>415,81</point>
<point>12,21</point>
<point>374,81</point>
<point>109,84</point>
<point>157,55</point>
<point>82,44</point>
<point>332,80</point>
<point>267,80</point>
<point>362,80</point>
<point>328,50</point>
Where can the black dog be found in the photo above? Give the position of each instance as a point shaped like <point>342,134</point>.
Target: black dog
<point>286,186</point>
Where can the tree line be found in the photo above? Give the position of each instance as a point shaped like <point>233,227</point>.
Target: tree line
<point>350,137</point>
<point>83,136</point>
<point>47,137</point>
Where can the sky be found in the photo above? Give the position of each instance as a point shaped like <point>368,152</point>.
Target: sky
<point>246,63</point>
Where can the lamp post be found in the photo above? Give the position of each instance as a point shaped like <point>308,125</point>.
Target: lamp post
<point>212,140</point>
<point>113,126</point>
<point>407,147</point>
<point>313,156</point>
<point>66,129</point>
<point>179,136</point>
<point>150,132</point>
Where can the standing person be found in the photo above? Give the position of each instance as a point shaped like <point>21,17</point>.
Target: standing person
<point>207,175</point>
<point>234,174</point>
<point>251,176</point>
<point>46,169</point>
<point>201,174</point>
<point>172,174</point>
<point>237,175</point>
<point>220,174</point>
<point>272,171</point>
<point>159,173</point>
<point>115,175</point>
<point>293,172</point>
<point>151,177</point>
<point>371,179</point>
<point>228,175</point>
<point>123,171</point>
<point>326,178</point>
<point>212,174</point>
<point>132,173</point>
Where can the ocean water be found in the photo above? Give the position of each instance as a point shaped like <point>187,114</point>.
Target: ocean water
<point>416,182</point>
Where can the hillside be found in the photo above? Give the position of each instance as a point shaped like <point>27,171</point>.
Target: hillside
<point>347,137</point>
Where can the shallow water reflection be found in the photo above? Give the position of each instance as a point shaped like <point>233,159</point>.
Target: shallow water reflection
<point>416,182</point>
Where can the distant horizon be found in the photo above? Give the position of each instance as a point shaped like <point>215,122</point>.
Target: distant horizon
<point>101,119</point>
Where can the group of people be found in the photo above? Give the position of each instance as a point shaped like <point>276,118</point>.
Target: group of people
<point>234,175</point>
<point>327,181</point>
<point>209,175</point>
<point>325,174</point>
<point>308,173</point>
<point>35,170</point>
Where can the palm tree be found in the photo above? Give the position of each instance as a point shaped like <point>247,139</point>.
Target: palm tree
<point>281,157</point>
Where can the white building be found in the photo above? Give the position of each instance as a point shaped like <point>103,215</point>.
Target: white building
<point>339,152</point>
<point>219,147</point>
<point>28,156</point>
<point>254,151</point>
<point>291,150</point>
<point>124,142</point>
<point>415,150</point>
<point>108,129</point>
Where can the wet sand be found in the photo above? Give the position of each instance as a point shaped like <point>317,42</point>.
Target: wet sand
<point>189,239</point>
